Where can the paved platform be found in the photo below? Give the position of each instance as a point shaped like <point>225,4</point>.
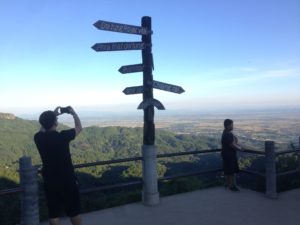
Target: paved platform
<point>213,206</point>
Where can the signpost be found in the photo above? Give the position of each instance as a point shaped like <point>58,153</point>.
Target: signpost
<point>133,90</point>
<point>118,46</point>
<point>131,68</point>
<point>122,28</point>
<point>167,87</point>
<point>150,187</point>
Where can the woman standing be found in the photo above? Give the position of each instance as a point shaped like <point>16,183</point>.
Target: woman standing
<point>230,162</point>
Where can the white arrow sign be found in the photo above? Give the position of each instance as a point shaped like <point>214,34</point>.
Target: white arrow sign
<point>118,46</point>
<point>122,28</point>
<point>167,87</point>
<point>133,90</point>
<point>131,68</point>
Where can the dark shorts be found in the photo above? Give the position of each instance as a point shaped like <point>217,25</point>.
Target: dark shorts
<point>230,163</point>
<point>62,197</point>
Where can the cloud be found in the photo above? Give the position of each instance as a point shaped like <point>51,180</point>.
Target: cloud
<point>246,75</point>
<point>248,69</point>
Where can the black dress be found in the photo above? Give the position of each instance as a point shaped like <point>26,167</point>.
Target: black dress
<point>230,162</point>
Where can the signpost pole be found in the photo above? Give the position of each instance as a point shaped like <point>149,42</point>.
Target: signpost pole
<point>150,193</point>
<point>149,133</point>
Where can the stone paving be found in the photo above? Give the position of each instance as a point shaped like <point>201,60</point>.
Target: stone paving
<point>213,206</point>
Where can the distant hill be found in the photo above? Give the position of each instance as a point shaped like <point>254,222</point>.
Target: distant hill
<point>15,138</point>
<point>7,116</point>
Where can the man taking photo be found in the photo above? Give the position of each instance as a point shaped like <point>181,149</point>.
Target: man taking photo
<point>58,172</point>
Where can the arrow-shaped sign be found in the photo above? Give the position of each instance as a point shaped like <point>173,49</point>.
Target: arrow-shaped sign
<point>122,28</point>
<point>167,87</point>
<point>133,90</point>
<point>131,68</point>
<point>149,102</point>
<point>118,46</point>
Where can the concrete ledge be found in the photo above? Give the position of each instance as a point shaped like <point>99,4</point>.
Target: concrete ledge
<point>214,206</point>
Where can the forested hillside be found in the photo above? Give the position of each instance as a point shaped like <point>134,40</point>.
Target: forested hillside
<point>94,143</point>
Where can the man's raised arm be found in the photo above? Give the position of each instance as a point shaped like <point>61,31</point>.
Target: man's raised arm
<point>78,126</point>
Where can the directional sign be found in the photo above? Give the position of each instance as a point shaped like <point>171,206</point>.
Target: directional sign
<point>151,101</point>
<point>118,46</point>
<point>131,68</point>
<point>167,87</point>
<point>133,90</point>
<point>122,28</point>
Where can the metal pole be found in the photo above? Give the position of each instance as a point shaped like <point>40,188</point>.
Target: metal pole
<point>29,197</point>
<point>271,183</point>
<point>150,194</point>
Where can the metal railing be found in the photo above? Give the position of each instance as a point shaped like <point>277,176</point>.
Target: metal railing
<point>9,191</point>
<point>253,152</point>
<point>133,159</point>
<point>18,190</point>
<point>293,171</point>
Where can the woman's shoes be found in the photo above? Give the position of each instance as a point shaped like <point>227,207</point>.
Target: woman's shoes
<point>234,188</point>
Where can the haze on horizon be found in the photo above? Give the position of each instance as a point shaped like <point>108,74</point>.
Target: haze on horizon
<point>233,54</point>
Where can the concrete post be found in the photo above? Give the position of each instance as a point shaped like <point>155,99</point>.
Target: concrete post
<point>271,183</point>
<point>150,195</point>
<point>29,197</point>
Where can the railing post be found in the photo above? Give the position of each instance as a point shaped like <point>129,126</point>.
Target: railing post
<point>298,154</point>
<point>150,195</point>
<point>271,183</point>
<point>29,196</point>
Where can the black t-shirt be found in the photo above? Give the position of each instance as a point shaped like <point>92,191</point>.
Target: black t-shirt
<point>54,150</point>
<point>227,140</point>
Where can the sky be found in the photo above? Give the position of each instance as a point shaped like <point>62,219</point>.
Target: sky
<point>225,54</point>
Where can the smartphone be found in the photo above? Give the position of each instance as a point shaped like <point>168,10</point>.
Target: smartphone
<point>64,110</point>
